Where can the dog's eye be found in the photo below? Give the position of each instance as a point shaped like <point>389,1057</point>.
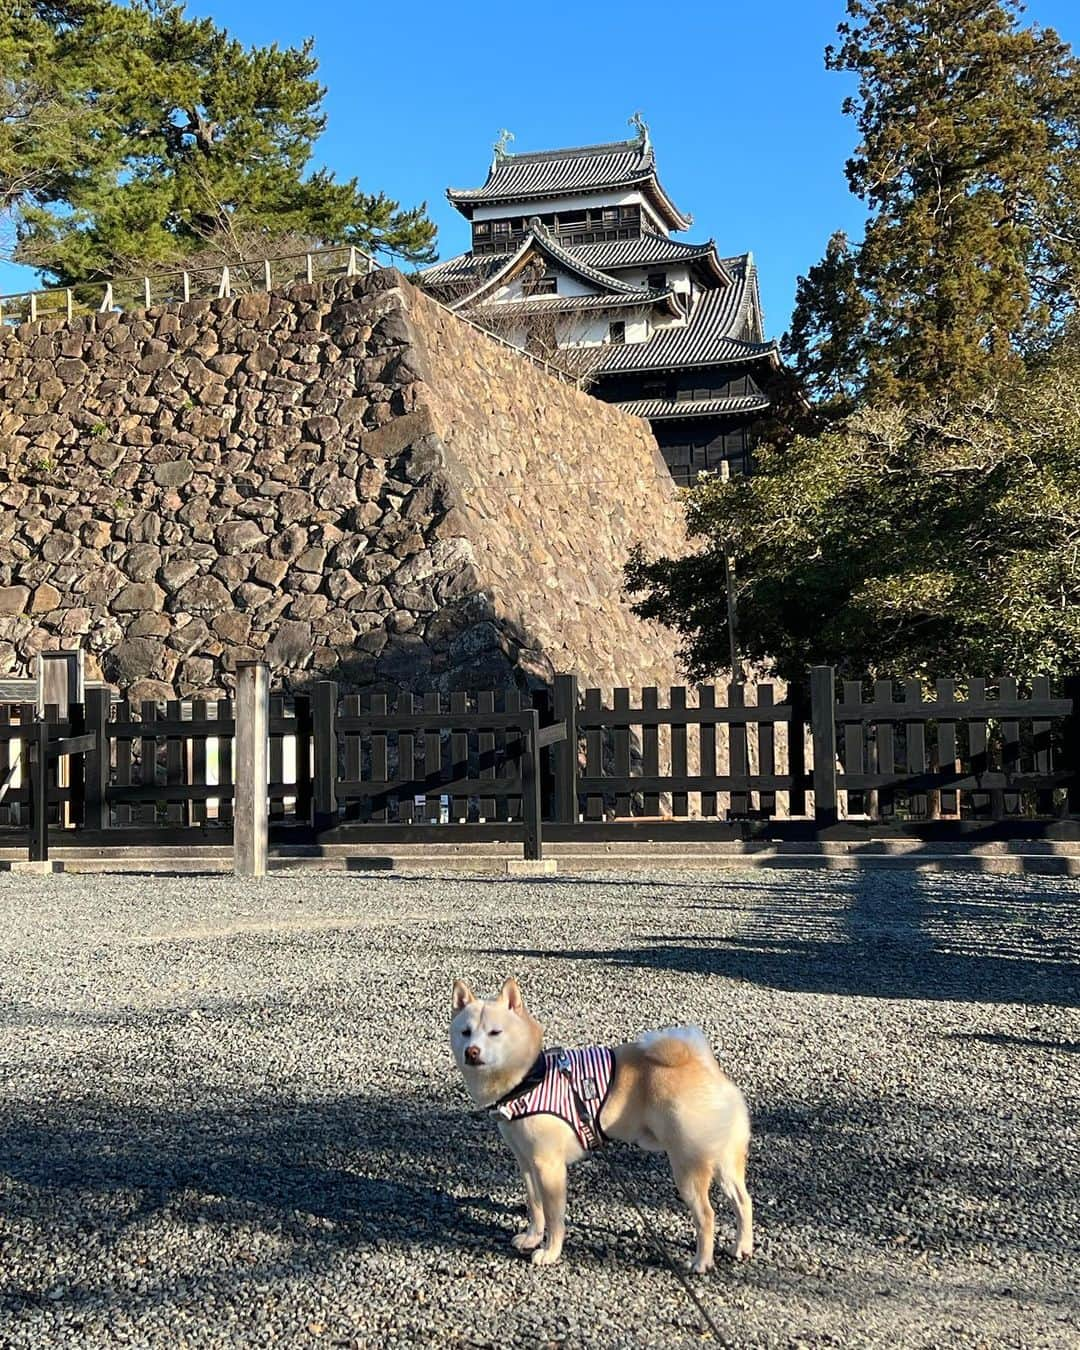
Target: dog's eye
<point>495,1031</point>
<point>466,1031</point>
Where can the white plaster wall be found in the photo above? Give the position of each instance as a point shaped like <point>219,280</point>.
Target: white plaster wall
<point>677,276</point>
<point>591,330</point>
<point>568,285</point>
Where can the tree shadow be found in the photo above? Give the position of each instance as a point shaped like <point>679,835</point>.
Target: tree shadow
<point>348,1173</point>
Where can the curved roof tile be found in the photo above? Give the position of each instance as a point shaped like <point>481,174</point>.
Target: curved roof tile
<point>559,173</point>
<point>663,409</point>
<point>709,338</point>
<point>643,252</point>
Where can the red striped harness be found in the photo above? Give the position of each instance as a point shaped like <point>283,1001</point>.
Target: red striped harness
<point>570,1084</point>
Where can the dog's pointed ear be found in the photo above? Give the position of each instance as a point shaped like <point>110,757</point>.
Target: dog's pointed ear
<point>462,995</point>
<point>510,995</point>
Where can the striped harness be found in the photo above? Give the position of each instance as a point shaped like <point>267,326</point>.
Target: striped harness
<point>570,1084</point>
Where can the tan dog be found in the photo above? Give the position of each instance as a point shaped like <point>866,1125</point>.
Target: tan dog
<point>666,1093</point>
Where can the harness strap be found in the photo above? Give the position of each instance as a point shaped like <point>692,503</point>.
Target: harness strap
<point>590,1125</point>
<point>532,1079</point>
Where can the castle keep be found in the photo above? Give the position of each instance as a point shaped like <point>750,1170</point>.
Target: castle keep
<point>573,252</point>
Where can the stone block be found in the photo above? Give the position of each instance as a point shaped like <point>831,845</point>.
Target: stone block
<point>138,596</point>
<point>531,867</point>
<point>174,473</point>
<point>290,645</point>
<point>141,562</point>
<point>14,599</point>
<point>203,595</point>
<point>46,597</point>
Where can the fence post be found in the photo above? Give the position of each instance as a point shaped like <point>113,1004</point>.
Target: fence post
<point>96,762</point>
<point>38,764</point>
<point>302,712</point>
<point>325,728</point>
<point>530,788</point>
<point>823,726</point>
<point>800,715</point>
<point>566,752</point>
<point>251,768</point>
<point>76,772</point>
<point>1071,745</point>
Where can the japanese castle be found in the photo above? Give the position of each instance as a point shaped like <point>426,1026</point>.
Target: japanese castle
<point>573,252</point>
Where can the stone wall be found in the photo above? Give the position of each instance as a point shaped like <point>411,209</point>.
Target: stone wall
<point>340,478</point>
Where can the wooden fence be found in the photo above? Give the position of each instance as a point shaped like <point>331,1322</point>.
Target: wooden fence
<point>570,762</point>
<point>471,759</point>
<point>968,753</point>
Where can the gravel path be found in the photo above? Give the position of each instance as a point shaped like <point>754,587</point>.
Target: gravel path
<point>229,1116</point>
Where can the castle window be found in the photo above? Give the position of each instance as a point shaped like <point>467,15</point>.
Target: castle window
<point>617,332</point>
<point>657,281</point>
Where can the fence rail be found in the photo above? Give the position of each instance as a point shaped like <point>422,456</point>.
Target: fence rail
<point>215,280</point>
<point>498,764</point>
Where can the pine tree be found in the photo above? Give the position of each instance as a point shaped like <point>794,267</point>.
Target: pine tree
<point>202,143</point>
<point>969,128</point>
<point>53,56</point>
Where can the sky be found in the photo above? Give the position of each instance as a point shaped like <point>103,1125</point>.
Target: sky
<point>744,117</point>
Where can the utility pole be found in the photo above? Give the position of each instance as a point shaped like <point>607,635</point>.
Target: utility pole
<point>729,577</point>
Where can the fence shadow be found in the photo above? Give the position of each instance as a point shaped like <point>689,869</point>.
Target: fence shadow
<point>907,936</point>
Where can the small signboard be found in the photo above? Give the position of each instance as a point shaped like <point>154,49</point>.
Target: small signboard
<point>60,680</point>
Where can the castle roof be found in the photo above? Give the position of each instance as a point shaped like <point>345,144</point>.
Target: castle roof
<point>540,240</point>
<point>575,304</point>
<point>669,409</point>
<point>722,329</point>
<point>647,251</point>
<point>618,165</point>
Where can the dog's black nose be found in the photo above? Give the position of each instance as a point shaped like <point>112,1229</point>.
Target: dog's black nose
<point>472,1054</point>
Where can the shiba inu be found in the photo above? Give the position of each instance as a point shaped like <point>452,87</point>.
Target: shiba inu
<point>665,1092</point>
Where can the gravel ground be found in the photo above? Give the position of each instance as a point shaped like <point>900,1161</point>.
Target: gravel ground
<point>230,1116</point>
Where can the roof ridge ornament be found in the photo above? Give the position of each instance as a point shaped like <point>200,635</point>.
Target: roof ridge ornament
<point>499,146</point>
<point>637,121</point>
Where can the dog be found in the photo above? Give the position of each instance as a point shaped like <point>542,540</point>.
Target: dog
<point>665,1092</point>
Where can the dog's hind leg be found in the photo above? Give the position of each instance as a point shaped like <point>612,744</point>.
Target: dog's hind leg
<point>693,1176</point>
<point>731,1173</point>
<point>550,1175</point>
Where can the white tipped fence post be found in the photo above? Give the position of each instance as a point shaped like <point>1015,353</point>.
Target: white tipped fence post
<point>252,769</point>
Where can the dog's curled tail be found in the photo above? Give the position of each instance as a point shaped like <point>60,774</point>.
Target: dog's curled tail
<point>676,1046</point>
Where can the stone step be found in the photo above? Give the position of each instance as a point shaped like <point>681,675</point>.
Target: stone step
<point>935,860</point>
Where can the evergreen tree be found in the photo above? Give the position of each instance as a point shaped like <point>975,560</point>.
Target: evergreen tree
<point>938,541</point>
<point>969,129</point>
<point>827,339</point>
<point>201,142</point>
<point>54,54</point>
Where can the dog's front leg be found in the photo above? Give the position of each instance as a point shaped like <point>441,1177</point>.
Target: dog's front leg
<point>534,1234</point>
<point>550,1174</point>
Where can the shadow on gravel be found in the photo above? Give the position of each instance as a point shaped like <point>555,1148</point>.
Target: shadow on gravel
<point>345,1172</point>
<point>911,937</point>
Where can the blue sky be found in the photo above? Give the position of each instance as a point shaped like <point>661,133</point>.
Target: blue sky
<point>745,119</point>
